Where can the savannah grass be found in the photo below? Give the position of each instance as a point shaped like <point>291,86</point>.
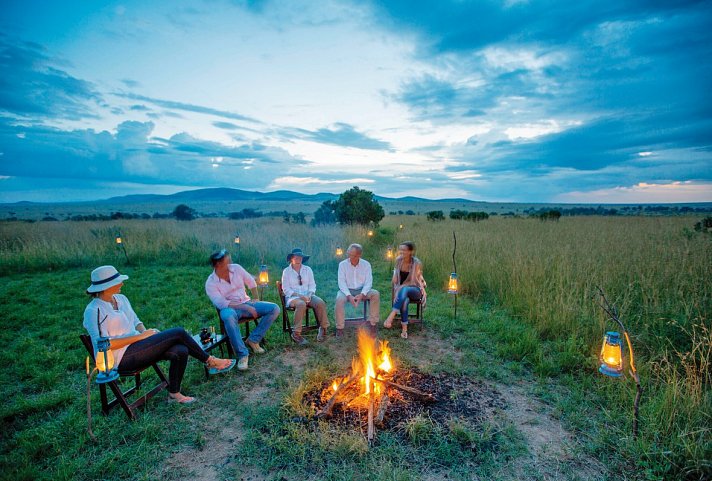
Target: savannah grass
<point>543,274</point>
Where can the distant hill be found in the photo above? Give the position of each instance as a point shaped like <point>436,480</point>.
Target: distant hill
<point>221,194</point>
<point>225,194</point>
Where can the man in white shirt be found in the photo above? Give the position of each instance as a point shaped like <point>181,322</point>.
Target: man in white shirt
<point>299,287</point>
<point>226,289</point>
<point>355,286</point>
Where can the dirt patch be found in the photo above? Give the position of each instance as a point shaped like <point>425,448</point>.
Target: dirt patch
<point>551,449</point>
<point>453,397</point>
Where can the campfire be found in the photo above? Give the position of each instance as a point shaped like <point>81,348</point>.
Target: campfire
<point>370,385</point>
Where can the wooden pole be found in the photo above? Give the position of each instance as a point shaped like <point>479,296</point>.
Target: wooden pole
<point>382,407</point>
<point>371,428</point>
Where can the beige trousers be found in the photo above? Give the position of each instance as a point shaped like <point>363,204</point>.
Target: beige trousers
<point>340,307</point>
<point>300,309</point>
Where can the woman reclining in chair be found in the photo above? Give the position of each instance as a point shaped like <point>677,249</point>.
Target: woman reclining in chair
<point>408,285</point>
<point>134,347</point>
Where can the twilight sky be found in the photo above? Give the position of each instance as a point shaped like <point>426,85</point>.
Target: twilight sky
<point>514,100</point>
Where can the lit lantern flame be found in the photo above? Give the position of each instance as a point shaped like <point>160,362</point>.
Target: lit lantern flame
<point>611,355</point>
<point>118,239</point>
<point>339,252</point>
<point>370,233</point>
<point>452,286</point>
<point>237,239</point>
<point>105,366</point>
<point>263,278</point>
<point>400,227</point>
<point>389,253</point>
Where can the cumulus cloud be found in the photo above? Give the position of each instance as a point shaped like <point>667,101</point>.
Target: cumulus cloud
<point>33,85</point>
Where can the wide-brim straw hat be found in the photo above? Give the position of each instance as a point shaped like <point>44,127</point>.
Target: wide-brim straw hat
<point>297,252</point>
<point>104,277</point>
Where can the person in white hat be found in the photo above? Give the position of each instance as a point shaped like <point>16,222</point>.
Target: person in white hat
<point>299,289</point>
<point>109,314</point>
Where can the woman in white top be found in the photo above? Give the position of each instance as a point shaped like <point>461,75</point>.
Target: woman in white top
<point>299,289</point>
<point>109,314</point>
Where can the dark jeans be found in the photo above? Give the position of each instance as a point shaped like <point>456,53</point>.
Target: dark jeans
<point>174,345</point>
<point>403,298</point>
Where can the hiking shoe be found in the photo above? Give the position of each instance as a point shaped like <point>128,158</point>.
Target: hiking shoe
<point>255,346</point>
<point>242,363</point>
<point>215,370</point>
<point>297,337</point>
<point>321,335</point>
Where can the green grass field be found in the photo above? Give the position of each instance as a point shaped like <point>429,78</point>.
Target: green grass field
<point>527,325</point>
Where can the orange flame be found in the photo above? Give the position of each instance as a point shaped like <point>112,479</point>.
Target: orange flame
<point>385,365</point>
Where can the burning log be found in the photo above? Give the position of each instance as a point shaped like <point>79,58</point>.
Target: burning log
<point>423,395</point>
<point>382,407</point>
<point>371,428</point>
<point>332,400</point>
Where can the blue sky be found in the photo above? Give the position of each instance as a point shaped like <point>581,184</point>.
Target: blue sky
<point>528,101</point>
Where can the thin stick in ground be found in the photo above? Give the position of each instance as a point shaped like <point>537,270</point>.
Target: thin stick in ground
<point>371,427</point>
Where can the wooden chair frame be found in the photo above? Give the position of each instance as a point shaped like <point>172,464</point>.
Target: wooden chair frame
<point>286,324</point>
<point>413,318</point>
<point>240,322</point>
<point>121,395</point>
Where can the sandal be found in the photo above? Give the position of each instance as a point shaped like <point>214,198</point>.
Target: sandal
<point>216,367</point>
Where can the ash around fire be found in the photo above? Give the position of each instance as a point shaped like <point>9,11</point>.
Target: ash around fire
<point>455,397</point>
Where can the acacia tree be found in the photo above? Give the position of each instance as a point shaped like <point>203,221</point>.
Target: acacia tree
<point>358,206</point>
<point>183,212</point>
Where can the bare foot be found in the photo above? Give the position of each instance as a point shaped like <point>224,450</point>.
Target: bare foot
<point>388,323</point>
<point>180,398</point>
<point>218,363</point>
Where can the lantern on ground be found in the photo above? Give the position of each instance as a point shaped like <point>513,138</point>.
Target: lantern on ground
<point>370,233</point>
<point>389,253</point>
<point>339,251</point>
<point>237,239</point>
<point>400,227</point>
<point>105,361</point>
<point>119,241</point>
<point>452,285</point>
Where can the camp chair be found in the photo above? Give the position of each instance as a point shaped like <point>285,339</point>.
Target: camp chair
<point>121,395</point>
<point>286,324</point>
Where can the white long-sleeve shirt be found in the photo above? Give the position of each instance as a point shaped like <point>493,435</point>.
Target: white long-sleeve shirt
<point>291,285</point>
<point>222,293</point>
<point>355,277</point>
<point>115,323</point>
